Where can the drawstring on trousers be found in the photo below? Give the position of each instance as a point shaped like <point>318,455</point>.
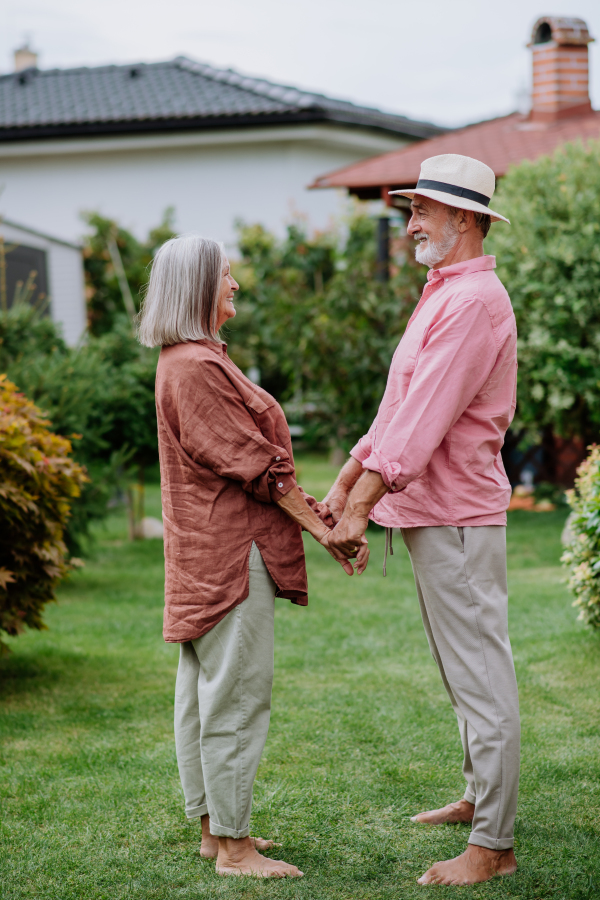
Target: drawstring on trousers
<point>388,546</point>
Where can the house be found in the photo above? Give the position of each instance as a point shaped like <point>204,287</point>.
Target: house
<point>130,141</point>
<point>561,111</point>
<point>45,271</point>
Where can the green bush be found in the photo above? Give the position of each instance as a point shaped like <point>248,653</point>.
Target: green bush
<point>582,553</point>
<point>39,481</point>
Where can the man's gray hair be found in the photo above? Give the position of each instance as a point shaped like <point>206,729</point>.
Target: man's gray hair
<point>183,292</point>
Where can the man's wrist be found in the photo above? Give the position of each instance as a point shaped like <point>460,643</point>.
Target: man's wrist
<point>357,509</point>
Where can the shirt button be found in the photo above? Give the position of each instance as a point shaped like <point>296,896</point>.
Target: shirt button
<point>277,458</point>
<point>280,484</point>
<point>445,279</point>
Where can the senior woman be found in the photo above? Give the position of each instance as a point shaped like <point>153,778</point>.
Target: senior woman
<point>233,516</point>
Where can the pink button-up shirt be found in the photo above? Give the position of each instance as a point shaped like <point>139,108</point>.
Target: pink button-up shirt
<point>450,396</point>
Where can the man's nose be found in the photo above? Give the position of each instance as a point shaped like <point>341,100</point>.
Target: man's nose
<point>412,226</point>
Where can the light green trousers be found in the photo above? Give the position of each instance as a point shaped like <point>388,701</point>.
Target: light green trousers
<point>460,574</point>
<point>223,707</point>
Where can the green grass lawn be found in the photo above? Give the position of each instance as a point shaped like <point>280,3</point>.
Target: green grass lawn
<point>362,736</point>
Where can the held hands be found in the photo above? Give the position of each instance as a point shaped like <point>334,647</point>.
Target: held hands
<point>349,533</point>
<point>360,553</point>
<point>346,541</point>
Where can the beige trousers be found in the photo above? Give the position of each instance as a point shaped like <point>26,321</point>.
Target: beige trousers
<point>460,574</point>
<point>223,707</point>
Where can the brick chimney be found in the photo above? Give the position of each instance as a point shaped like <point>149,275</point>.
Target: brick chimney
<point>25,58</point>
<point>560,68</point>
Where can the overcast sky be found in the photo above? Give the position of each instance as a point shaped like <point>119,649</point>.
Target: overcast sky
<point>447,61</point>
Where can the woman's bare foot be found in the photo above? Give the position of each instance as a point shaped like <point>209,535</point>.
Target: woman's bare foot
<point>462,811</point>
<point>240,857</point>
<point>209,847</point>
<point>474,865</point>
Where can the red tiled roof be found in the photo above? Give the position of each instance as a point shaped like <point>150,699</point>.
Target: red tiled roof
<point>498,142</point>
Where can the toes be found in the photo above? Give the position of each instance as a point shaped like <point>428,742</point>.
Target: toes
<point>429,877</point>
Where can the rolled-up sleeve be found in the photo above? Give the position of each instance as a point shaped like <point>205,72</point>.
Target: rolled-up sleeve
<point>219,432</point>
<point>457,358</point>
<point>364,447</point>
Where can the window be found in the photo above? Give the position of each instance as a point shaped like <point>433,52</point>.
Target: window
<point>26,274</point>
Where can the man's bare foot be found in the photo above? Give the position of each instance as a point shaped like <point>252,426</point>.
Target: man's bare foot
<point>474,865</point>
<point>240,857</point>
<point>209,847</point>
<point>461,811</point>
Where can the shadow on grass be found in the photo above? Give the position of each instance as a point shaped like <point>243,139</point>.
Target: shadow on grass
<point>22,672</point>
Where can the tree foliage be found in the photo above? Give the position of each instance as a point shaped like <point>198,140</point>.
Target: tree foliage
<point>105,301</point>
<point>39,480</point>
<point>319,326</point>
<point>549,260</point>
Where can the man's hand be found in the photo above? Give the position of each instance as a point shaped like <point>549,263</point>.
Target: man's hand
<point>362,555</point>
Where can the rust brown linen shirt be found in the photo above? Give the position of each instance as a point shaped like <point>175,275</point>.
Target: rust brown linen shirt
<point>225,459</point>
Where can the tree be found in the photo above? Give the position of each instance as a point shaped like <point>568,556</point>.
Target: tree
<point>549,260</point>
<point>107,248</point>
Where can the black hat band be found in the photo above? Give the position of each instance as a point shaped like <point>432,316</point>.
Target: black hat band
<point>453,189</point>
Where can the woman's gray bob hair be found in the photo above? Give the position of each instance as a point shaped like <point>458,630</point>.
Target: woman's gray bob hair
<point>183,292</point>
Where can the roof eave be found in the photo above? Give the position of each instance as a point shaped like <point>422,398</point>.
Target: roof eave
<point>205,123</point>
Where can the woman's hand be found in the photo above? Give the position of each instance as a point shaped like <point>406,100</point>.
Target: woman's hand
<point>337,496</point>
<point>335,501</point>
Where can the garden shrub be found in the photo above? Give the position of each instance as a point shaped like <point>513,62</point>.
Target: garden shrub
<point>582,553</point>
<point>38,482</point>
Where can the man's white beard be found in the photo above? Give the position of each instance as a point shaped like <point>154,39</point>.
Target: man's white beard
<point>431,253</point>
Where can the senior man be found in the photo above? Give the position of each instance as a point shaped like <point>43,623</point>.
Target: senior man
<point>431,465</point>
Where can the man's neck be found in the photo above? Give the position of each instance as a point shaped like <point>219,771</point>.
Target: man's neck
<point>465,248</point>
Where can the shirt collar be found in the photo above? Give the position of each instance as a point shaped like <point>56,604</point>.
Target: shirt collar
<point>219,347</point>
<point>479,264</point>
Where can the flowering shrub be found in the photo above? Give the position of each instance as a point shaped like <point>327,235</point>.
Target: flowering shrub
<point>38,481</point>
<point>582,552</point>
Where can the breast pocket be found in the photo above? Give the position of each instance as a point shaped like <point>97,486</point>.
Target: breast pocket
<point>407,352</point>
<point>259,401</point>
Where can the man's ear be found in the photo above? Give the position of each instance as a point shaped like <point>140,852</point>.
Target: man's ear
<point>465,220</point>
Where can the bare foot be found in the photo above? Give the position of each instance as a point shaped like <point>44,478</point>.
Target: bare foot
<point>209,847</point>
<point>461,811</point>
<point>474,865</point>
<point>240,857</point>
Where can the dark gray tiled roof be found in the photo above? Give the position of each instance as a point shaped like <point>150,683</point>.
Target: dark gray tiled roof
<point>178,94</point>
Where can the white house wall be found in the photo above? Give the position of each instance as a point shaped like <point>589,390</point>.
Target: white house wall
<point>68,291</point>
<point>210,180</point>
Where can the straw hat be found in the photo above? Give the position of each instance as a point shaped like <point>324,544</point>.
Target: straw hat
<point>457,181</point>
